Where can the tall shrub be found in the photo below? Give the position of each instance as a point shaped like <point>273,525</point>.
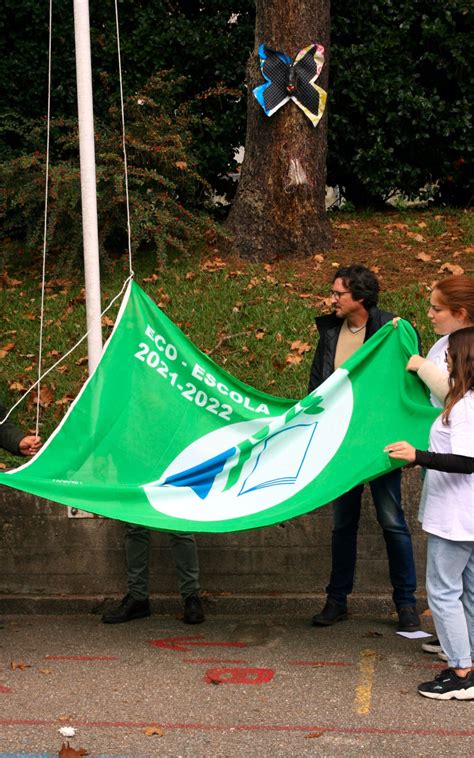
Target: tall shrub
<point>163,180</point>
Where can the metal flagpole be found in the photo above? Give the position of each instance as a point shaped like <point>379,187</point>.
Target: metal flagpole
<point>88,192</point>
<point>88,180</point>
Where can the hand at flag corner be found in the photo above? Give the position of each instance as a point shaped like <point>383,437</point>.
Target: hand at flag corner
<point>401,451</point>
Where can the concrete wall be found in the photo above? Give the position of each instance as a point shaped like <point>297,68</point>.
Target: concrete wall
<point>43,553</point>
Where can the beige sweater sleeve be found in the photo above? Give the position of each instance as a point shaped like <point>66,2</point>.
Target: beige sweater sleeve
<point>435,379</point>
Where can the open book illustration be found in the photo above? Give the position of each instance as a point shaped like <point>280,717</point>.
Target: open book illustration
<point>279,463</point>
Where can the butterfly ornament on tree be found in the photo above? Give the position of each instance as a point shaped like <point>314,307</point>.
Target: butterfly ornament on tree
<point>292,80</point>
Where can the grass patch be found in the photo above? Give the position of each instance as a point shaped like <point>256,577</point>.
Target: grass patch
<point>245,315</point>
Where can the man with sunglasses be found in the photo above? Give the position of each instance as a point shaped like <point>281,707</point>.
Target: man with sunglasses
<point>354,295</point>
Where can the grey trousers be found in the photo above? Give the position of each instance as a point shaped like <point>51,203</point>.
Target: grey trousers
<point>137,551</point>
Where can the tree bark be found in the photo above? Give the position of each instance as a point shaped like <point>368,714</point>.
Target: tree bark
<point>276,214</point>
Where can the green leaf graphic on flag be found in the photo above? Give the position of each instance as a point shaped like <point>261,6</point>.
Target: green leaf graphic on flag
<point>162,436</point>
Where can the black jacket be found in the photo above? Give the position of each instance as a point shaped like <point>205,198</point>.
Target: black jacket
<point>329,328</point>
<point>10,434</point>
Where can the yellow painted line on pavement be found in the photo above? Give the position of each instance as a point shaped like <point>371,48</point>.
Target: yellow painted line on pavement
<point>363,693</point>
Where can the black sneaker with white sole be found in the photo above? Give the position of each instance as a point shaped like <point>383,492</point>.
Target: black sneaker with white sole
<point>447,685</point>
<point>432,646</point>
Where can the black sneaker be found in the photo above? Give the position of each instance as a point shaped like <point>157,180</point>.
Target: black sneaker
<point>432,646</point>
<point>448,685</point>
<point>331,613</point>
<point>193,610</point>
<point>128,609</point>
<point>408,620</point>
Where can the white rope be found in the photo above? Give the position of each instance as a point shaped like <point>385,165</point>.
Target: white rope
<point>125,162</point>
<point>71,350</point>
<point>45,227</point>
<point>131,272</point>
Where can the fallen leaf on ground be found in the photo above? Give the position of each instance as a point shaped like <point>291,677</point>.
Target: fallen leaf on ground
<point>313,735</point>
<point>396,226</point>
<point>17,386</point>
<point>6,282</point>
<point>19,665</point>
<point>6,349</point>
<point>301,347</point>
<point>69,752</point>
<point>424,257</point>
<point>293,359</point>
<point>453,268</point>
<point>213,264</point>
<point>152,731</point>
<point>416,237</point>
<point>106,321</point>
<point>46,396</point>
<point>66,400</point>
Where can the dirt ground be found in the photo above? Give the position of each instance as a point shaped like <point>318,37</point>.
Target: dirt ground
<point>402,248</point>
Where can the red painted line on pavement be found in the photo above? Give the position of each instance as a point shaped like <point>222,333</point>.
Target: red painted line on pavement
<point>320,663</point>
<point>81,657</point>
<point>239,676</point>
<point>431,666</point>
<point>214,660</point>
<point>5,689</point>
<point>247,727</point>
<point>183,643</point>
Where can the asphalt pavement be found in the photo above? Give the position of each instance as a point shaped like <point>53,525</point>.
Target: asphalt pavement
<point>237,685</point>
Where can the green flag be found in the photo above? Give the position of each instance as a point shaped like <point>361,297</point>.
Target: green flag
<point>161,436</point>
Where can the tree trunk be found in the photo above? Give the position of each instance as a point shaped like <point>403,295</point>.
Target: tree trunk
<point>275,212</point>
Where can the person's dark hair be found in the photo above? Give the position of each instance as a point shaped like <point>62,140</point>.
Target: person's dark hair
<point>362,283</point>
<point>461,375</point>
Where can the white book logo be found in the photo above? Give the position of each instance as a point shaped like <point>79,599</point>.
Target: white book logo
<point>282,454</point>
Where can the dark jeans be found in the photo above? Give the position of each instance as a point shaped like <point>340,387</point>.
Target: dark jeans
<point>386,493</point>
<point>137,551</point>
